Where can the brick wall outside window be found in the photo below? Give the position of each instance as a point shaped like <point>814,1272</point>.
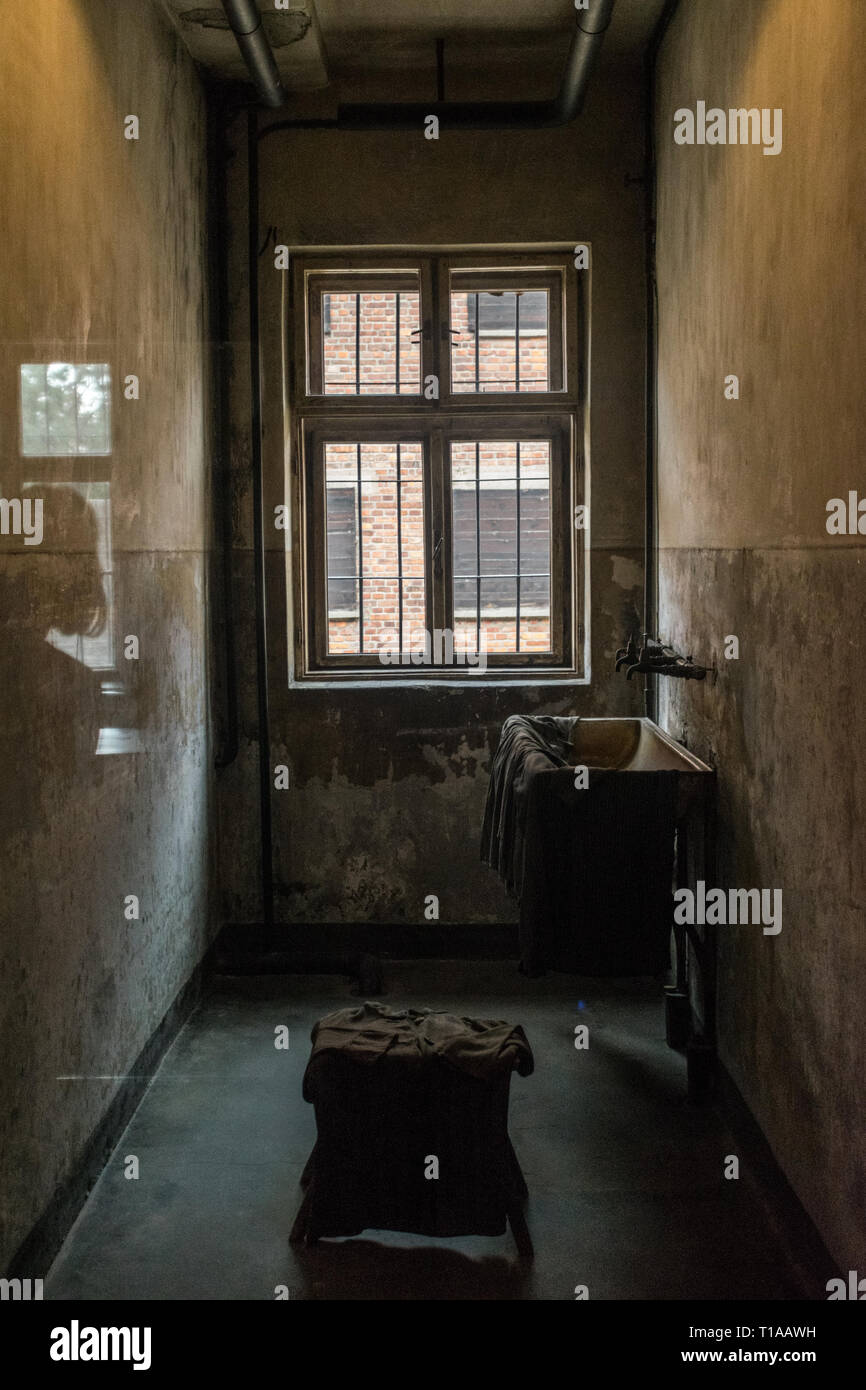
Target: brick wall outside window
<point>378,490</point>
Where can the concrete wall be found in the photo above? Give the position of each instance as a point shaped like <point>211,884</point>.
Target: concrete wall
<point>103,260</point>
<point>389,785</point>
<point>761,273</point>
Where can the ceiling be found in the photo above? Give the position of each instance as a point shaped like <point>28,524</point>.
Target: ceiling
<point>320,41</point>
<point>405,25</point>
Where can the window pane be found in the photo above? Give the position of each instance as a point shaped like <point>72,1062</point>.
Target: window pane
<point>375,546</point>
<point>65,408</point>
<point>498,313</point>
<point>500,507</point>
<point>499,341</point>
<point>371,343</point>
<point>342,527</point>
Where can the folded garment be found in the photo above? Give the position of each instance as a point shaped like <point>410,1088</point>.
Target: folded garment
<point>482,1048</point>
<point>528,745</point>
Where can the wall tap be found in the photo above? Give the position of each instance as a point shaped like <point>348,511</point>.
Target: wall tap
<point>628,653</point>
<point>655,658</point>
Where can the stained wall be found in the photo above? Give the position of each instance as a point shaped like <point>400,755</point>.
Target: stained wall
<point>761,274</point>
<point>388,785</point>
<point>104,261</point>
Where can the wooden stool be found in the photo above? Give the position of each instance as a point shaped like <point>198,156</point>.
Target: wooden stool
<point>412,1125</point>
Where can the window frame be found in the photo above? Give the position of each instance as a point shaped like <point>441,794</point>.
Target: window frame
<point>349,275</point>
<point>316,436</point>
<point>482,281</point>
<point>560,415</point>
<point>434,437</point>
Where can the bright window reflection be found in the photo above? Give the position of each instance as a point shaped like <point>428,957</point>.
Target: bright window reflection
<point>65,408</point>
<point>88,567</point>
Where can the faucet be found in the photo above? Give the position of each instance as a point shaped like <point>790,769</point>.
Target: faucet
<point>627,654</point>
<point>656,658</point>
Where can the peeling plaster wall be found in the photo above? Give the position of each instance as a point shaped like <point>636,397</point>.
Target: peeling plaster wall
<point>761,273</point>
<point>104,258</point>
<point>388,786</point>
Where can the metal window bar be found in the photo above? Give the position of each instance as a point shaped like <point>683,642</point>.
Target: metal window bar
<point>517,354</point>
<point>358,350</point>
<point>517,614</point>
<point>477,527</point>
<point>506,383</point>
<point>397,330</point>
<point>391,382</point>
<point>360,537</point>
<point>474,326</point>
<point>399,531</point>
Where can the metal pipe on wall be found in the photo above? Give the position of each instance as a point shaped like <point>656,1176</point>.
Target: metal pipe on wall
<point>589,30</point>
<point>219,330</point>
<point>650,622</point>
<point>260,561</point>
<point>246,25</point>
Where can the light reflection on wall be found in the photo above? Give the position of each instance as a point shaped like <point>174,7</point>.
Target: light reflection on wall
<point>66,413</point>
<point>65,409</point>
<point>94,649</point>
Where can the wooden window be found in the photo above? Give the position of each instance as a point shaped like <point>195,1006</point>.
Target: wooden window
<point>364,335</point>
<point>437,487</point>
<point>505,332</point>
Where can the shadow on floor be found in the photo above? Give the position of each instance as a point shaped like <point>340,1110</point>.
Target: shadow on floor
<point>359,1268</point>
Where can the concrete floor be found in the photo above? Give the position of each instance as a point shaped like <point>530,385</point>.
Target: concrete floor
<point>627,1193</point>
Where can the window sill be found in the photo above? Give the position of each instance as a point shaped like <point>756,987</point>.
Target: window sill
<point>484,682</point>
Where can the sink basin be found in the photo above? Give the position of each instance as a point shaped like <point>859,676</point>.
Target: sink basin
<point>639,745</point>
<point>631,745</point>
<point>591,859</point>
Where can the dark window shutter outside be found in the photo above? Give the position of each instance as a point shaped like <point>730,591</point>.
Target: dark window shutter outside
<point>498,312</point>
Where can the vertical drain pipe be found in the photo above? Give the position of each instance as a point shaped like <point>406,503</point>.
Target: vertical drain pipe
<point>260,555</point>
<point>651,554</point>
<point>222,479</point>
<point>650,620</point>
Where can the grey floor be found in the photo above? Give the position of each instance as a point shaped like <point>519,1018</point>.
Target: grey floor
<point>627,1193</point>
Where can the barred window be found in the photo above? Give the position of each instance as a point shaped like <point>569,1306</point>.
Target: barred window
<point>438,469</point>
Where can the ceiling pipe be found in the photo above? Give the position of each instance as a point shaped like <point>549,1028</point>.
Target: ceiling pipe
<point>590,27</point>
<point>589,30</point>
<point>246,25</point>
